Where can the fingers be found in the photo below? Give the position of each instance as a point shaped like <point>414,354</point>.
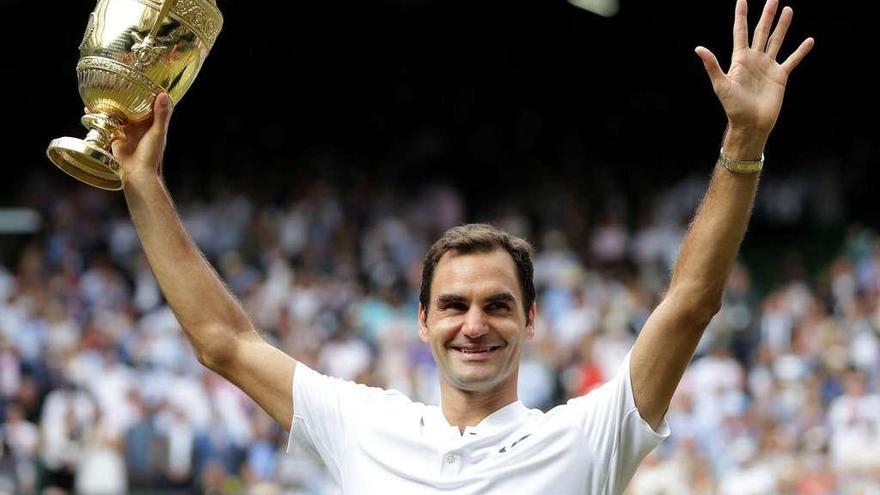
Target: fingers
<point>710,63</point>
<point>779,33</point>
<point>762,30</point>
<point>795,58</point>
<point>741,25</point>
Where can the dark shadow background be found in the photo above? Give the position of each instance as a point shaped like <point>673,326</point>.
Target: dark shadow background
<point>499,98</point>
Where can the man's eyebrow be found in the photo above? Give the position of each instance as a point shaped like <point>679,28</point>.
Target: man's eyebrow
<point>449,299</point>
<point>501,297</point>
<point>494,298</point>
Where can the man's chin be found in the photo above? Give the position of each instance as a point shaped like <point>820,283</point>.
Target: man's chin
<point>475,380</point>
<point>474,375</point>
<point>474,385</point>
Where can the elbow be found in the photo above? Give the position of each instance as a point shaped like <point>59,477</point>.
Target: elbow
<point>218,360</point>
<point>208,360</point>
<point>697,307</point>
<point>213,360</point>
<point>215,348</point>
<point>698,316</point>
<point>702,313</point>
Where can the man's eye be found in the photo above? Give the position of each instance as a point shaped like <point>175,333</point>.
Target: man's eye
<point>497,306</point>
<point>454,307</point>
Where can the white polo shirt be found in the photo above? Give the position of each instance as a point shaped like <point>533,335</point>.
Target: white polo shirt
<point>379,441</point>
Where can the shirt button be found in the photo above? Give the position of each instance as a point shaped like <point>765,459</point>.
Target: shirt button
<point>450,459</point>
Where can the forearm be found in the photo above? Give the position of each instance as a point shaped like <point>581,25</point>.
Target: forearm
<point>751,94</point>
<point>208,313</point>
<point>710,247</point>
<point>698,280</point>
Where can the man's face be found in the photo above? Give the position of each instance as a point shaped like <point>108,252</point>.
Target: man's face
<point>475,323</point>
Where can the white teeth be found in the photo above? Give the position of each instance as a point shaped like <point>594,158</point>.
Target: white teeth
<point>473,351</point>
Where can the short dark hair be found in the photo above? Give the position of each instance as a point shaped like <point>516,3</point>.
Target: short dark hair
<point>481,238</point>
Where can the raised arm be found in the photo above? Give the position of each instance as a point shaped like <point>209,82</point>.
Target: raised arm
<point>751,93</point>
<point>221,333</point>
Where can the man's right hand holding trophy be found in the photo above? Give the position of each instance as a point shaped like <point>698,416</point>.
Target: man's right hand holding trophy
<point>132,52</point>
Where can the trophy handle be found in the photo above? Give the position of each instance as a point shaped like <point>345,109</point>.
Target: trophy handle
<point>163,13</point>
<point>145,51</point>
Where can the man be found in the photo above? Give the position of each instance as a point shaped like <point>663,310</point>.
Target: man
<point>476,309</point>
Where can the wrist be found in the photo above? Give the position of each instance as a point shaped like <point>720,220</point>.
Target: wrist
<point>142,181</point>
<point>740,166</point>
<point>744,144</point>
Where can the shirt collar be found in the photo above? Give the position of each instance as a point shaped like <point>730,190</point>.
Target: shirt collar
<point>505,416</point>
<point>508,415</point>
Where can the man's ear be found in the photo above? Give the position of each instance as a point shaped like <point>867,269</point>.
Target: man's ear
<point>531,315</point>
<point>423,323</point>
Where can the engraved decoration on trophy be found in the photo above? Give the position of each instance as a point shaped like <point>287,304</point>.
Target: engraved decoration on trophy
<point>131,51</point>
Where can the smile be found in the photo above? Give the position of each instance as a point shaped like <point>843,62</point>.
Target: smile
<point>477,351</point>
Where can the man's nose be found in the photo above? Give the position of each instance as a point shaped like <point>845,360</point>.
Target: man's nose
<point>475,323</point>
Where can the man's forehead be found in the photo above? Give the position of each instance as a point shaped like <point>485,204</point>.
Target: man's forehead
<point>492,271</point>
<point>497,257</point>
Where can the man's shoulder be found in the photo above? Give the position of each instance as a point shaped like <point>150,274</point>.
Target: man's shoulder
<point>359,394</point>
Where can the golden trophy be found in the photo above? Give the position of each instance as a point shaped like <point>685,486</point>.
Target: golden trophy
<point>132,51</point>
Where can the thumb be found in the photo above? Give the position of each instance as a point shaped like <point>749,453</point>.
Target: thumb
<point>710,63</point>
<point>162,110</point>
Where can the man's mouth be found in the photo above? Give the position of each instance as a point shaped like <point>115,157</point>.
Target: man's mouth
<point>477,351</point>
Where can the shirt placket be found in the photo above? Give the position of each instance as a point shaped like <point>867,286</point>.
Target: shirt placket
<point>450,464</point>
<point>452,458</point>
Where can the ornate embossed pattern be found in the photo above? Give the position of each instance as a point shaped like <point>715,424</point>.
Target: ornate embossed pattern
<point>145,51</point>
<point>101,63</point>
<point>201,16</point>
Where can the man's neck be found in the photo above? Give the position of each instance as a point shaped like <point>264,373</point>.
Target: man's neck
<point>463,408</point>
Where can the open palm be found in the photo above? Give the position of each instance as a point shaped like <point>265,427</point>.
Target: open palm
<point>752,90</point>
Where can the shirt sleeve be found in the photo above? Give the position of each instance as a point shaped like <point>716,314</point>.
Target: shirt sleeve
<point>617,436</point>
<point>325,415</point>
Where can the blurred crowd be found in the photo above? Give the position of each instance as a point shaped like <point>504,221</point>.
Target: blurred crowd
<point>100,392</point>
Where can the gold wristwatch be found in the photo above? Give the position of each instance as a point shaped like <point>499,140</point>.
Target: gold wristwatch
<point>740,166</point>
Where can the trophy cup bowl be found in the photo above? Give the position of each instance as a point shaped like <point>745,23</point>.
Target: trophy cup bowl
<point>132,50</point>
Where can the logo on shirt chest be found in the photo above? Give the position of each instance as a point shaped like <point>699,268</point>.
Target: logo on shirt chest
<point>506,448</point>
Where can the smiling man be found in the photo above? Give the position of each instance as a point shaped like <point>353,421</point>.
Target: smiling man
<point>482,309</point>
<point>477,308</point>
